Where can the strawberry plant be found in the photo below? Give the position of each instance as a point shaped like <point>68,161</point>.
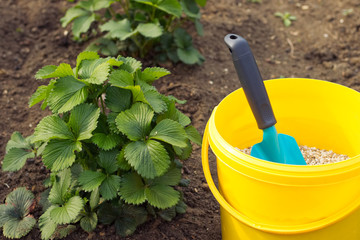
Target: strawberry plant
<point>286,17</point>
<point>113,144</point>
<point>139,26</point>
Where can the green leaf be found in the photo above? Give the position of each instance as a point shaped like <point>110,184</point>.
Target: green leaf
<point>108,160</point>
<point>139,213</point>
<point>122,163</point>
<point>16,228</point>
<point>137,94</point>
<point>189,55</point>
<point>38,96</point>
<point>106,141</point>
<point>4,214</point>
<point>66,94</point>
<point>125,226</point>
<point>132,189</point>
<point>162,196</point>
<point>287,22</point>
<point>83,120</point>
<point>82,24</point>
<point>182,38</point>
<point>49,89</point>
<point>40,149</point>
<point>199,27</point>
<point>87,55</point>
<point>15,159</point>
<point>111,120</point>
<point>21,199</point>
<point>172,7</point>
<point>143,85</point>
<point>96,71</point>
<point>118,99</point>
<point>108,213</point>
<point>17,141</point>
<point>121,78</point>
<point>102,126</point>
<point>174,114</point>
<point>94,198</point>
<point>68,212</point>
<point>171,177</point>
<point>168,214</point>
<point>63,70</point>
<point>60,187</point>
<point>90,180</point>
<point>184,153</point>
<point>181,207</point>
<point>182,118</point>
<point>191,9</point>
<point>155,100</point>
<point>46,224</point>
<point>76,170</point>
<point>71,14</point>
<point>94,5</point>
<point>202,3</point>
<point>89,222</point>
<point>135,122</point>
<point>170,132</point>
<point>109,187</point>
<point>100,74</point>
<point>44,202</point>
<point>118,29</point>
<point>150,159</point>
<point>130,64</point>
<point>150,30</point>
<point>52,127</point>
<point>149,75</point>
<point>59,154</point>
<point>279,14</point>
<point>172,55</point>
<point>87,67</point>
<point>47,182</point>
<point>193,135</point>
<point>44,71</point>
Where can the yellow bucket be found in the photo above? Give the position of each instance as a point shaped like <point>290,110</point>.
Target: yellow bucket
<point>262,200</point>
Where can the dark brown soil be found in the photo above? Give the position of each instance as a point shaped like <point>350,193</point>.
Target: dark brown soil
<point>324,43</point>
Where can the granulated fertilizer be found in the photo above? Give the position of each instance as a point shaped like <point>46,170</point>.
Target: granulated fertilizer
<point>314,156</point>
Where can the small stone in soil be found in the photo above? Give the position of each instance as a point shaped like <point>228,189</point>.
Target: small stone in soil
<point>314,156</point>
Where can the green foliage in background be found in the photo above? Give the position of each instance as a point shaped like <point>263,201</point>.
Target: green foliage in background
<point>139,27</point>
<point>113,144</point>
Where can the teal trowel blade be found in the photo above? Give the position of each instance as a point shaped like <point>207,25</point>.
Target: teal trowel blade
<point>279,148</point>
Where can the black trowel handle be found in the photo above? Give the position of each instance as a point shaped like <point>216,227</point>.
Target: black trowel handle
<point>251,80</point>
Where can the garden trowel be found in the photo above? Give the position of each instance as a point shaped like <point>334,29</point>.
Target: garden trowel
<point>274,147</point>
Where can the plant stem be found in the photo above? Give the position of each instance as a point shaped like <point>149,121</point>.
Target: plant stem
<point>88,151</point>
<point>139,46</point>
<point>112,12</point>
<point>152,14</point>
<point>168,23</point>
<point>102,104</point>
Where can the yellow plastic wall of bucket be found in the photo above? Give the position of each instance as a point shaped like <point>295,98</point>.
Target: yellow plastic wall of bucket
<point>262,200</point>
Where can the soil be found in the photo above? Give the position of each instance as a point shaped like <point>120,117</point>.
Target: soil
<point>323,43</point>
